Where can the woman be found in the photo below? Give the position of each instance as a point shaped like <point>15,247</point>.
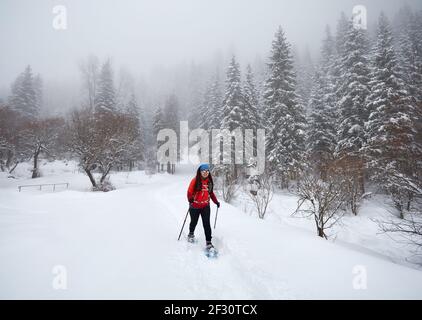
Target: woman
<point>199,193</point>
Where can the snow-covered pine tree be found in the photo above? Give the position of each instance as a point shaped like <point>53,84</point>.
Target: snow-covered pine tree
<point>352,90</point>
<point>211,113</point>
<point>284,114</point>
<point>206,111</point>
<point>196,94</point>
<point>158,122</point>
<point>105,100</point>
<point>233,108</point>
<point>321,138</point>
<point>343,26</point>
<point>232,112</point>
<point>409,48</point>
<point>136,151</point>
<point>260,69</point>
<point>252,118</point>
<point>23,98</point>
<point>305,71</point>
<point>409,44</point>
<point>391,146</point>
<point>216,102</point>
<point>171,113</point>
<point>125,89</point>
<point>340,40</point>
<point>38,87</point>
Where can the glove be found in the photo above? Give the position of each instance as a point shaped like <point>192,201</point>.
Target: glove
<point>191,200</point>
<point>218,204</point>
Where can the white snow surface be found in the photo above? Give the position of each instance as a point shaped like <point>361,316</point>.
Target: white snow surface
<point>123,245</point>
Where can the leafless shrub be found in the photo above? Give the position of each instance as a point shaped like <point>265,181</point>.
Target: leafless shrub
<point>227,182</point>
<point>260,190</point>
<point>409,228</point>
<point>101,141</point>
<point>40,136</point>
<point>321,200</point>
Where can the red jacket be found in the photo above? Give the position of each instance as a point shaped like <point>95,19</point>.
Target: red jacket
<point>200,198</point>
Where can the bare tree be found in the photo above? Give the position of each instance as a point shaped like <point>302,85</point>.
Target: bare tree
<point>90,70</point>
<point>101,141</point>
<point>261,192</point>
<point>40,136</point>
<point>11,149</point>
<point>409,228</point>
<point>350,169</point>
<point>81,140</point>
<point>321,200</point>
<point>228,183</point>
<point>117,132</point>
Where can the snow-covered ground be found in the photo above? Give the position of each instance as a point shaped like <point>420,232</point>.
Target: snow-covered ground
<point>123,244</point>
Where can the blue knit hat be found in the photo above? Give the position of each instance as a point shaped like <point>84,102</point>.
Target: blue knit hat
<point>204,166</point>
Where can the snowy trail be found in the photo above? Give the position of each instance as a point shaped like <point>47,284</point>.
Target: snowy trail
<point>123,244</point>
<point>226,275</point>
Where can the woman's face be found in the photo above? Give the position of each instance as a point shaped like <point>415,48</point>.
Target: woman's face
<point>205,173</point>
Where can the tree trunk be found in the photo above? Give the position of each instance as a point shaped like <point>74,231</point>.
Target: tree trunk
<point>321,232</point>
<point>104,175</point>
<point>14,167</point>
<point>91,178</point>
<point>9,158</point>
<point>35,172</point>
<point>409,200</point>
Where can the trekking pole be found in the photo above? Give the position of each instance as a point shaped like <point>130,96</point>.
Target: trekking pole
<point>183,225</point>
<point>215,222</point>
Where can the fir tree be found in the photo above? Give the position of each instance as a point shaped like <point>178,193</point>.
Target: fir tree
<point>305,71</point>
<point>252,118</point>
<point>24,95</point>
<point>211,112</point>
<point>284,115</point>
<point>353,90</point>
<point>105,97</point>
<point>391,147</point>
<point>322,117</point>
<point>38,87</point>
<point>135,112</point>
<point>158,122</point>
<point>233,108</point>
<point>171,113</point>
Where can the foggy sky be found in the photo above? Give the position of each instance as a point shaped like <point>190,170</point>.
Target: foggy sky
<point>141,35</point>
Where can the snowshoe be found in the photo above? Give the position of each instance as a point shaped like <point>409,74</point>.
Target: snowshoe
<point>211,251</point>
<point>191,238</point>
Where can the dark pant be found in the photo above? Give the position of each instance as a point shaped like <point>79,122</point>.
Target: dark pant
<point>205,216</point>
